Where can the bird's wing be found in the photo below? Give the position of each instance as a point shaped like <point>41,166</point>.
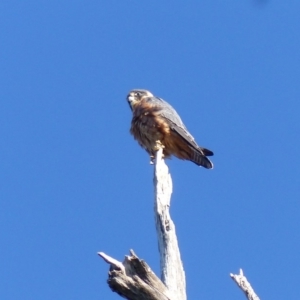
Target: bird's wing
<point>169,113</point>
<point>183,133</point>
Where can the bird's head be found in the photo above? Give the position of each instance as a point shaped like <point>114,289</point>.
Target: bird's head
<point>136,96</point>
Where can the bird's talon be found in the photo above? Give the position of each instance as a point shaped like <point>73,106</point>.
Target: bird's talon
<point>158,145</point>
<point>152,158</point>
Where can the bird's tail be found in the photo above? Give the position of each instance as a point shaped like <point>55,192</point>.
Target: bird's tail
<point>199,157</point>
<point>206,152</point>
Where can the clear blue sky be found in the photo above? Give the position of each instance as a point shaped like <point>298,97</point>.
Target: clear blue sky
<point>73,180</point>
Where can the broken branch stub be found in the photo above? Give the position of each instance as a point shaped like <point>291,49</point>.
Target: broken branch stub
<point>133,279</point>
<point>244,285</point>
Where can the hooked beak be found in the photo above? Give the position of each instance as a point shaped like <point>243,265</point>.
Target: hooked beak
<point>130,100</point>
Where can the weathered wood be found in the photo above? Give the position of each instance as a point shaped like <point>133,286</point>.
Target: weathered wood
<point>172,272</point>
<point>133,279</point>
<point>245,285</point>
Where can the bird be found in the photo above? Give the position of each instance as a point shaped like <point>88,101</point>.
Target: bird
<point>155,121</point>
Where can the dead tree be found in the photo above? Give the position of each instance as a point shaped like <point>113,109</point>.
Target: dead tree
<point>133,279</point>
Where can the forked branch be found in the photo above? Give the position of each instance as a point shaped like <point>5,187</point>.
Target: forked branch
<point>245,285</point>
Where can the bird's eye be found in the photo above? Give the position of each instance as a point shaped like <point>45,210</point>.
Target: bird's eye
<point>137,94</point>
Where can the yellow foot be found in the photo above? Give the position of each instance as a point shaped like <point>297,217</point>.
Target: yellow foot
<point>158,145</point>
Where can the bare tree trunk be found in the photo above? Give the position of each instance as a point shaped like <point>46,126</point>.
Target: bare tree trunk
<point>172,273</point>
<point>133,279</point>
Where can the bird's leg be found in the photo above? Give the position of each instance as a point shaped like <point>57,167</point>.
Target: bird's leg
<point>158,145</point>
<point>152,157</point>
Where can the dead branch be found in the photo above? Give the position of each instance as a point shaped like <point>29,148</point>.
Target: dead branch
<point>172,273</point>
<point>245,286</point>
<point>133,279</point>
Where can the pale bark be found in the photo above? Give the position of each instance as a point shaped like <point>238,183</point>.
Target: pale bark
<point>133,279</point>
<point>172,273</point>
<point>245,285</point>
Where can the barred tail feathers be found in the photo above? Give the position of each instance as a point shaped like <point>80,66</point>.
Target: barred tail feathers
<point>199,158</point>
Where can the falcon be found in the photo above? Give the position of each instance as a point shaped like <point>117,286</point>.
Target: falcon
<point>156,121</point>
